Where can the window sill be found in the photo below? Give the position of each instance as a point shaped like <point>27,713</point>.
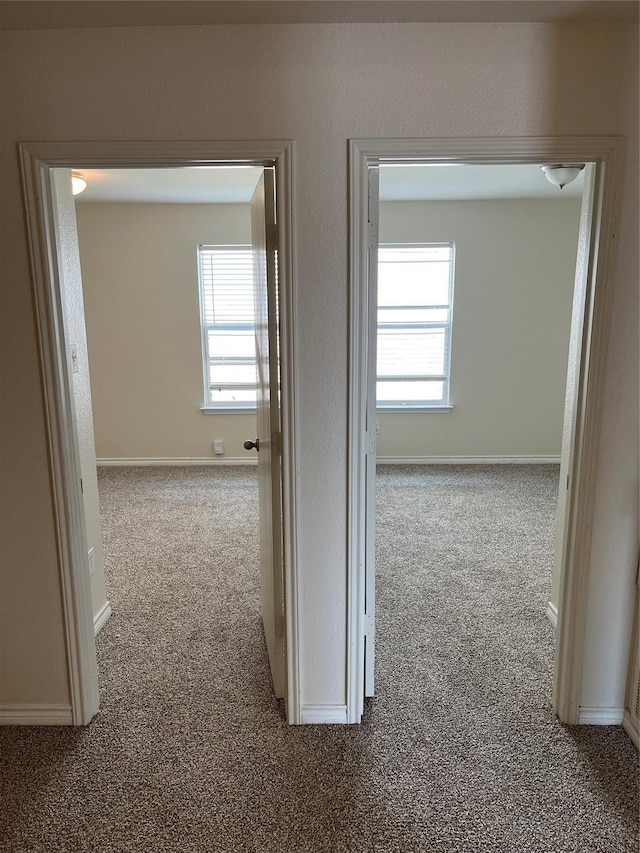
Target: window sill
<point>228,410</point>
<point>426,410</point>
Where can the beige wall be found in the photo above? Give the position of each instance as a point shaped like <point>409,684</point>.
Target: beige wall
<point>140,281</point>
<point>513,286</point>
<point>514,269</point>
<point>318,85</point>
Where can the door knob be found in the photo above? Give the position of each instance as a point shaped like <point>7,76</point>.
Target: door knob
<point>249,445</point>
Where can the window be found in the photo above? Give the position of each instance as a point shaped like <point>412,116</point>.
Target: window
<point>228,326</point>
<point>415,300</point>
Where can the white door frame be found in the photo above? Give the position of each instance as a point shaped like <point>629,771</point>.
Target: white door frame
<point>38,160</point>
<point>585,387</point>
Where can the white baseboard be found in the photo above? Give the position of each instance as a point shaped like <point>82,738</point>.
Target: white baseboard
<point>36,715</point>
<point>631,728</point>
<point>468,460</point>
<point>600,716</point>
<point>323,714</point>
<point>184,461</point>
<point>101,618</point>
<point>552,614</point>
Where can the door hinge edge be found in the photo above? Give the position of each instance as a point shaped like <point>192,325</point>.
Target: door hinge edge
<point>372,235</point>
<point>276,443</point>
<point>369,443</point>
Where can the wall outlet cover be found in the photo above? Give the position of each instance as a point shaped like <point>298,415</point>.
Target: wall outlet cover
<point>218,447</point>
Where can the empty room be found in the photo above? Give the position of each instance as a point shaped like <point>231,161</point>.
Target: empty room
<point>475,270</point>
<point>189,749</point>
<point>169,369</point>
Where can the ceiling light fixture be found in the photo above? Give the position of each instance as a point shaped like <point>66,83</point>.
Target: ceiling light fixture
<point>561,174</point>
<point>78,183</point>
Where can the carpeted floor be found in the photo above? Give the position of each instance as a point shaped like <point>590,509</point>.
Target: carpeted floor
<point>458,752</point>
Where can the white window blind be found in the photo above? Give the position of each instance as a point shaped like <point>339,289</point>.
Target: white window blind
<point>415,300</point>
<point>228,326</point>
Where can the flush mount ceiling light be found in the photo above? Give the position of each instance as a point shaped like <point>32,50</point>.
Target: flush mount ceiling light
<point>561,174</point>
<point>78,183</point>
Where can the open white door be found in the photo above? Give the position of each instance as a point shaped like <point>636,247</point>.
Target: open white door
<point>269,439</point>
<point>370,457</point>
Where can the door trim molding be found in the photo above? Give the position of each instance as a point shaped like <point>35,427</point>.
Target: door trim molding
<point>631,728</point>
<point>601,716</point>
<point>37,160</point>
<point>551,613</point>
<point>323,714</point>
<point>101,618</point>
<point>607,155</point>
<point>356,428</point>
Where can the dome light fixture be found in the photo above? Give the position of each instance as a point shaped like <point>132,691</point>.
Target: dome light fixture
<point>561,174</point>
<point>78,183</point>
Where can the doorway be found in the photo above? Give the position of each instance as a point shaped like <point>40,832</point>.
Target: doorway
<point>580,432</point>
<point>473,325</point>
<point>50,235</point>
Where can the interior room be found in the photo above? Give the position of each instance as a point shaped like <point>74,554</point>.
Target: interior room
<point>475,274</point>
<point>514,239</point>
<point>466,486</point>
<point>184,753</point>
<point>147,240</point>
<point>152,241</point>
<point>140,233</point>
<point>514,236</point>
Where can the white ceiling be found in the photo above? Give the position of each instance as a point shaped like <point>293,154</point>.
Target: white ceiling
<point>198,185</point>
<point>231,185</point>
<point>441,183</point>
<point>66,14</point>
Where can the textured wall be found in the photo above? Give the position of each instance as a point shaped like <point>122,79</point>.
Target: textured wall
<point>318,85</point>
<point>514,278</point>
<point>514,272</point>
<point>140,279</point>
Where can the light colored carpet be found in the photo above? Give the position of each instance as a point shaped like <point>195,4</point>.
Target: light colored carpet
<point>458,752</point>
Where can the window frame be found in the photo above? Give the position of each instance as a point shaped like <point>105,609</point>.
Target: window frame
<point>209,407</point>
<point>445,406</point>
